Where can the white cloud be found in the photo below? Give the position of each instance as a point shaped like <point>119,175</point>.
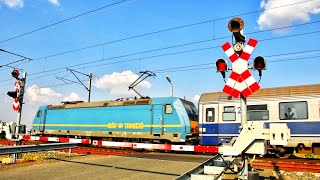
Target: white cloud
<point>118,83</point>
<point>13,3</point>
<point>54,2</point>
<point>286,16</point>
<point>72,97</point>
<point>42,95</point>
<point>196,99</point>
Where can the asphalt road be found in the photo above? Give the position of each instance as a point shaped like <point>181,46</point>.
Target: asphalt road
<point>154,166</point>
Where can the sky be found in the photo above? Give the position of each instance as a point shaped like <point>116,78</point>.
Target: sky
<point>115,40</point>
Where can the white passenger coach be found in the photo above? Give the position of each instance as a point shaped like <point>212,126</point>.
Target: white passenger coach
<point>298,106</point>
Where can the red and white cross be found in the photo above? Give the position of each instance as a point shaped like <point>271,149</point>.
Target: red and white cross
<point>16,104</point>
<point>240,80</point>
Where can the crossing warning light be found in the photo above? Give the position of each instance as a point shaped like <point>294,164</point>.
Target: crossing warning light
<point>15,73</point>
<point>235,24</point>
<point>222,67</point>
<point>259,64</point>
<point>12,94</point>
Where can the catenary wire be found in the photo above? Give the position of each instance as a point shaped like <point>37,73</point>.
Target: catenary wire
<point>155,56</point>
<point>164,30</point>
<point>185,44</point>
<point>188,68</point>
<point>65,20</point>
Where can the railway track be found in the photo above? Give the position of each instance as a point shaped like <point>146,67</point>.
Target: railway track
<point>302,165</point>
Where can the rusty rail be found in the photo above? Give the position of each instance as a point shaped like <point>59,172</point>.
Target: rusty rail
<point>302,165</point>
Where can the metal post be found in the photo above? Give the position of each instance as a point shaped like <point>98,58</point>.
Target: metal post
<point>245,171</point>
<point>243,106</point>
<point>70,152</point>
<point>89,90</point>
<point>171,86</point>
<point>23,80</point>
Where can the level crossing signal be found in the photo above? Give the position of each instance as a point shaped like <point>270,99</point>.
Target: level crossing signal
<point>15,73</point>
<point>222,67</point>
<point>240,81</point>
<point>259,64</point>
<point>18,93</point>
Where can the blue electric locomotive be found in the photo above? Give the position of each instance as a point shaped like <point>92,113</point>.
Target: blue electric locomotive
<point>162,119</point>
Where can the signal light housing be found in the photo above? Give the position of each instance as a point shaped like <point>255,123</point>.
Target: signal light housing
<point>15,73</point>
<point>12,94</point>
<point>259,64</point>
<point>235,25</point>
<point>222,67</point>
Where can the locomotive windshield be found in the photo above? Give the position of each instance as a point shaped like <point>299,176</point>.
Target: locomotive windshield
<point>191,110</point>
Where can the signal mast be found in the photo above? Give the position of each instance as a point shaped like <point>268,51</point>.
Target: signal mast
<point>241,84</point>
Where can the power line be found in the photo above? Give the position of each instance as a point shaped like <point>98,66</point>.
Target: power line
<point>189,68</point>
<point>150,57</point>
<point>159,49</point>
<point>163,30</point>
<point>185,44</point>
<point>65,20</point>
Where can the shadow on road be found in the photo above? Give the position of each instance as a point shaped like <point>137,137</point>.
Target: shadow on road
<point>123,168</point>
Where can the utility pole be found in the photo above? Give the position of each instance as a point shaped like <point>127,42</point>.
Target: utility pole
<point>90,82</point>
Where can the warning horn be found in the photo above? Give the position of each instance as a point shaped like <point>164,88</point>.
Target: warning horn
<point>235,24</point>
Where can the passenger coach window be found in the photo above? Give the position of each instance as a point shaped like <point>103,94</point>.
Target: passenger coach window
<point>229,113</point>
<point>210,115</point>
<point>257,112</point>
<point>168,109</point>
<point>293,110</point>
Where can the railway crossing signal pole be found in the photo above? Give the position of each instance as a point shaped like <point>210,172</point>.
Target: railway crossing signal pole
<point>241,82</point>
<point>17,96</point>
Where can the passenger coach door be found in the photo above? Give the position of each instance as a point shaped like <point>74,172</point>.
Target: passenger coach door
<point>209,125</point>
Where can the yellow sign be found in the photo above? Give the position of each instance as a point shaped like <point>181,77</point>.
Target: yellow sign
<point>114,125</point>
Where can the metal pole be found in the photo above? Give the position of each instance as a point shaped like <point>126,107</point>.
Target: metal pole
<point>243,106</point>
<point>23,80</point>
<point>245,171</point>
<point>171,94</point>
<point>171,86</point>
<point>89,90</point>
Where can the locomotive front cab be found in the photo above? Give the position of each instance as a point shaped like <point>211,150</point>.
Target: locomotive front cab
<point>39,121</point>
<point>193,119</point>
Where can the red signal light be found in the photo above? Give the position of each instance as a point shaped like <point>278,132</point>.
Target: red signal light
<point>259,64</point>
<point>15,73</point>
<point>222,67</point>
